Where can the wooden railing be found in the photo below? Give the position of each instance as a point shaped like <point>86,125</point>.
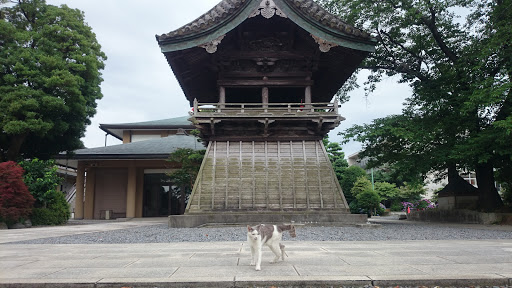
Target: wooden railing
<point>251,108</point>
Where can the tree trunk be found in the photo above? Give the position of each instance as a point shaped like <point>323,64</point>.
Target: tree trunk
<point>15,146</point>
<point>488,194</point>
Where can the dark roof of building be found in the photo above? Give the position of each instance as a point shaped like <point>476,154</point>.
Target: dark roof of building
<point>116,130</point>
<point>191,49</point>
<point>458,187</point>
<point>148,149</point>
<point>226,9</point>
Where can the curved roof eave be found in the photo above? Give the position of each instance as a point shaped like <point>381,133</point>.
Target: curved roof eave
<point>364,42</point>
<point>292,8</point>
<point>223,26</point>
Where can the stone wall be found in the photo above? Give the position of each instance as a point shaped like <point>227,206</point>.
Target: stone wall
<point>460,216</point>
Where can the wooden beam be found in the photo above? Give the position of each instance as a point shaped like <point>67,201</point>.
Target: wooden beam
<point>273,74</point>
<point>214,180</point>
<point>306,173</point>
<point>265,83</point>
<point>293,175</point>
<point>319,176</point>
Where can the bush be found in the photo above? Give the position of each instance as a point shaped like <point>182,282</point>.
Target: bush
<point>42,180</point>
<point>15,199</point>
<point>419,205</point>
<point>362,184</point>
<point>396,206</point>
<point>369,200</point>
<point>355,209</point>
<point>56,212</point>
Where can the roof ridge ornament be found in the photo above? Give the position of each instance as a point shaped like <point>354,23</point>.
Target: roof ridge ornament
<point>211,47</point>
<point>324,45</point>
<point>268,9</point>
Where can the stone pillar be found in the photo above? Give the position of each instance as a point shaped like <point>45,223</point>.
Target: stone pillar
<point>79,195</point>
<point>90,184</point>
<point>131,192</point>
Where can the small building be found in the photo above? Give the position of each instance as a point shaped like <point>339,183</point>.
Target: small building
<point>130,179</point>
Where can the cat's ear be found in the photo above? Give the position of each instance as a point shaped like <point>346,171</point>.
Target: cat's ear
<point>249,228</point>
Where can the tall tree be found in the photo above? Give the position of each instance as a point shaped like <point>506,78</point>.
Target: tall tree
<point>336,156</point>
<point>50,64</point>
<point>460,74</point>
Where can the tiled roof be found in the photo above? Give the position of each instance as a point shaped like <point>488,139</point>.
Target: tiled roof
<point>179,122</point>
<point>215,15</point>
<point>116,130</point>
<point>226,8</point>
<point>317,12</point>
<point>149,149</point>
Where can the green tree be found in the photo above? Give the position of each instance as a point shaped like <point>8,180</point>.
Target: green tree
<point>41,179</point>
<point>387,191</point>
<point>458,114</point>
<point>336,156</point>
<point>362,184</point>
<point>348,178</point>
<point>190,161</point>
<point>49,79</point>
<point>368,200</point>
<point>411,192</point>
<point>50,207</point>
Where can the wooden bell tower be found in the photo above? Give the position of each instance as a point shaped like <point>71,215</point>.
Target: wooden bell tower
<point>261,76</point>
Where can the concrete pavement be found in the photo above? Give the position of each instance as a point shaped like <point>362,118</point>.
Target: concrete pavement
<point>226,264</point>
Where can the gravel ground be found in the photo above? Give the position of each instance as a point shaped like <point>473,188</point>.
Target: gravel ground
<point>387,231</point>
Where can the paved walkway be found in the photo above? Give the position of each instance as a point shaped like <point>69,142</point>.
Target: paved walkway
<point>226,264</point>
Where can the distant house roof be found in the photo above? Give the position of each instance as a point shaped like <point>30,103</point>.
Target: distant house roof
<point>116,130</point>
<point>149,149</point>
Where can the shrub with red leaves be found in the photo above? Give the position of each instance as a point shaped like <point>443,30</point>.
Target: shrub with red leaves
<point>15,199</point>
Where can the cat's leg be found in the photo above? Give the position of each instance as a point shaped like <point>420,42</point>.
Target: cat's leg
<point>253,255</point>
<point>275,249</point>
<point>258,257</point>
<point>281,246</point>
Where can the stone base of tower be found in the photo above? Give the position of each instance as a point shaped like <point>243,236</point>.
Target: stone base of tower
<point>266,181</point>
<point>308,218</point>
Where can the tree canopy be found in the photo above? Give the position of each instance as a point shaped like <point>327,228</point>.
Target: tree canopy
<point>185,177</point>
<point>459,113</point>
<point>50,64</point>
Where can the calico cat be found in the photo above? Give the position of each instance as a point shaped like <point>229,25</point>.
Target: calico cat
<point>269,235</point>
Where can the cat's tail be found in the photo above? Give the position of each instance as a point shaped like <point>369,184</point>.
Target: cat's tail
<point>289,228</point>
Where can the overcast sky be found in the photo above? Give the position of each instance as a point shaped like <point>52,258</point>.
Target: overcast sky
<point>140,86</point>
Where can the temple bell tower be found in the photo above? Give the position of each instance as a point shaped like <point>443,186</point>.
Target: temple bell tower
<point>261,76</point>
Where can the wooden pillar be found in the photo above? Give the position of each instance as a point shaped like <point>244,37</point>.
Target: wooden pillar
<point>127,136</point>
<point>89,193</point>
<point>79,195</point>
<point>264,98</point>
<point>307,96</point>
<point>131,192</point>
<point>222,97</point>
<point>264,95</point>
<point>140,193</point>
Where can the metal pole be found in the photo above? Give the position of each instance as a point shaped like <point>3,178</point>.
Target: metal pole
<point>373,184</point>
